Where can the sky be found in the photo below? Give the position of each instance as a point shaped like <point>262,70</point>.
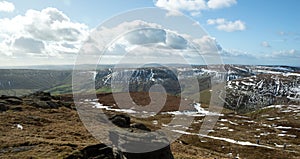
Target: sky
<point>55,32</point>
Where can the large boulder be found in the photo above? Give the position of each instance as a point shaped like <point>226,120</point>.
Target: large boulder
<point>153,145</point>
<point>129,141</point>
<point>140,126</point>
<point>45,104</point>
<point>163,153</point>
<point>99,151</point>
<point>121,120</point>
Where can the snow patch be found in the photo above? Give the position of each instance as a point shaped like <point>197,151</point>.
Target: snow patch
<point>283,127</point>
<point>199,111</point>
<point>19,126</point>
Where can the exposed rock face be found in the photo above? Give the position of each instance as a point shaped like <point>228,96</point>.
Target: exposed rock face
<point>252,93</point>
<point>140,79</point>
<point>132,139</point>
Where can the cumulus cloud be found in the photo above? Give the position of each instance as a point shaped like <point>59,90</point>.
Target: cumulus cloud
<point>176,41</point>
<point>265,44</point>
<point>292,53</point>
<point>147,41</point>
<point>175,6</point>
<point>193,6</point>
<point>289,36</point>
<point>217,4</point>
<point>138,32</point>
<point>236,56</point>
<point>280,57</point>
<point>158,38</point>
<point>146,36</point>
<point>207,44</point>
<point>51,24</point>
<point>236,53</point>
<point>228,26</point>
<point>46,33</point>
<point>28,45</point>
<point>6,6</point>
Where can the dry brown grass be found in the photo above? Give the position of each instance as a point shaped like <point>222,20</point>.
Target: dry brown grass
<point>56,133</point>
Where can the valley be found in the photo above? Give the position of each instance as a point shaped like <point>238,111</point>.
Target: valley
<point>259,115</point>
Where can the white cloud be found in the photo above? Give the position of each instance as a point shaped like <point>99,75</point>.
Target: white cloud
<point>158,38</point>
<point>236,53</point>
<point>228,26</point>
<point>206,45</point>
<point>288,36</point>
<point>28,45</point>
<point>265,44</point>
<point>146,36</point>
<point>176,41</point>
<point>216,4</point>
<point>6,6</point>
<point>51,24</point>
<point>107,33</point>
<point>146,42</point>
<point>236,56</point>
<point>292,53</point>
<point>193,6</point>
<point>280,57</point>
<point>48,33</point>
<point>215,21</point>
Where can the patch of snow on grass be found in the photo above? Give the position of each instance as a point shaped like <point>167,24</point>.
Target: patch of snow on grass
<point>19,126</point>
<point>283,127</point>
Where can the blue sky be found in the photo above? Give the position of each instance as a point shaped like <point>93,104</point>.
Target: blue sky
<point>248,31</point>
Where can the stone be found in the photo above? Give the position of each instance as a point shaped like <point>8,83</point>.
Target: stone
<point>154,145</point>
<point>14,101</point>
<point>3,107</point>
<point>164,153</point>
<point>140,126</point>
<point>52,105</point>
<point>9,97</point>
<point>121,120</point>
<point>41,104</point>
<point>99,151</point>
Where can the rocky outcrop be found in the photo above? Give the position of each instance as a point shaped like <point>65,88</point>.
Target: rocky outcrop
<point>3,107</point>
<point>129,144</point>
<point>44,100</point>
<point>142,146</point>
<point>10,103</point>
<point>121,120</point>
<point>164,153</point>
<point>99,151</point>
<point>140,126</point>
<point>253,93</point>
